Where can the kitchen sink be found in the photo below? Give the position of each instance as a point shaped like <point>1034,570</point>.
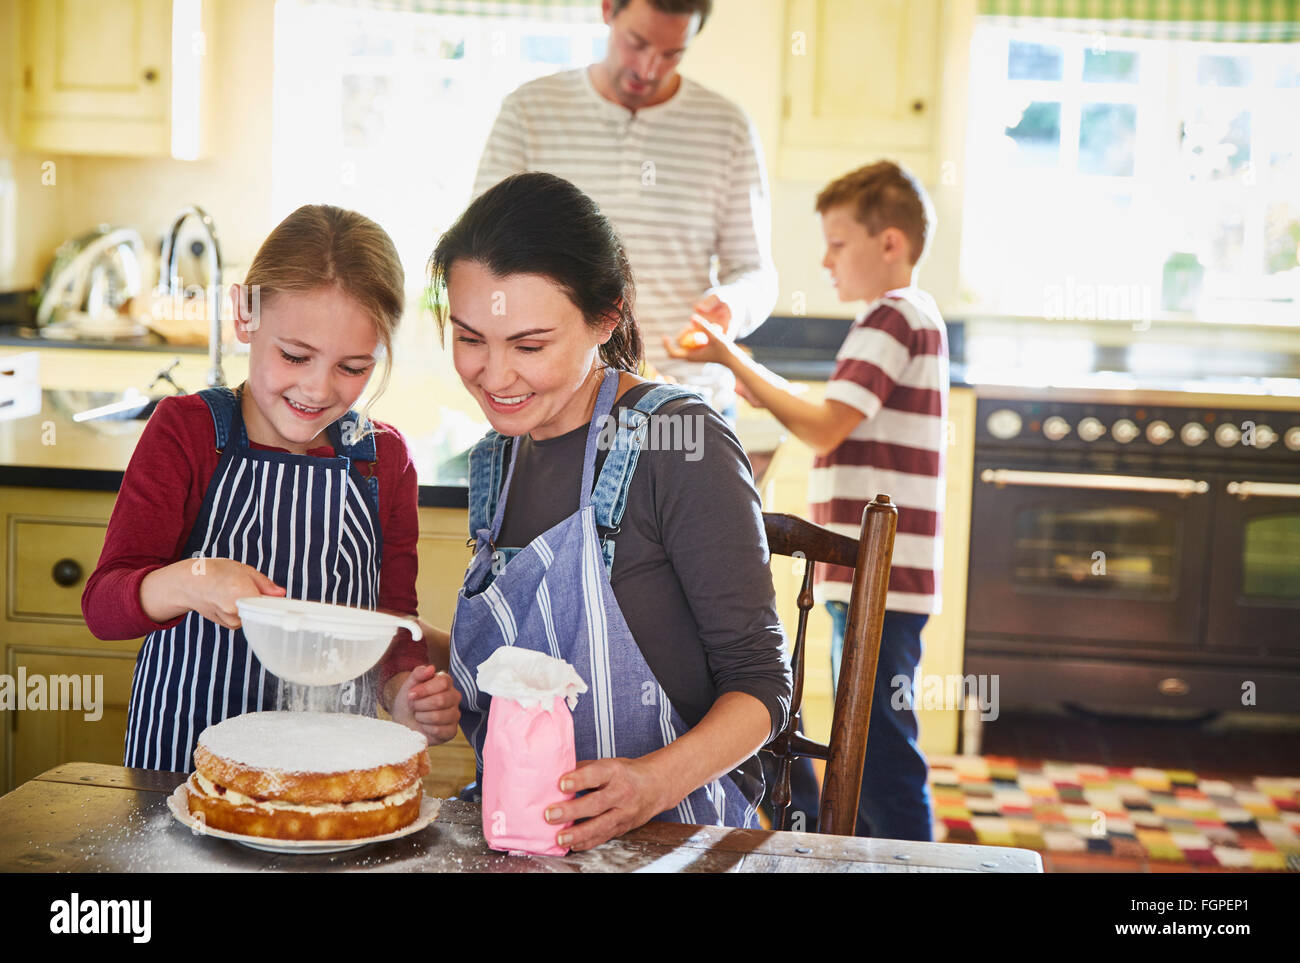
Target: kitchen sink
<point>94,406</point>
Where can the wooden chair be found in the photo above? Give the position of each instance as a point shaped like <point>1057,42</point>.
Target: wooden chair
<point>869,556</point>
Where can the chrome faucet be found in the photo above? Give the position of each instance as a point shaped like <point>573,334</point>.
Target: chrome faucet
<point>212,254</point>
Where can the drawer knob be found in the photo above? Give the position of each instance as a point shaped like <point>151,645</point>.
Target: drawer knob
<point>1173,686</point>
<point>67,572</point>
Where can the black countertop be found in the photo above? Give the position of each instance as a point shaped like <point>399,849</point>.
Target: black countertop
<point>48,449</point>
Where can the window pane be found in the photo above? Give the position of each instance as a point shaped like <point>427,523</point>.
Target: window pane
<point>1216,145</point>
<point>1038,134</point>
<point>1107,139</point>
<point>1288,72</point>
<point>1281,238</point>
<point>1110,67</point>
<point>365,100</point>
<point>1268,557</point>
<point>1034,61</point>
<point>543,49</point>
<point>1220,70</point>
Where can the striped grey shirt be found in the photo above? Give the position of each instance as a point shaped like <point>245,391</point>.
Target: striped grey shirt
<point>682,181</point>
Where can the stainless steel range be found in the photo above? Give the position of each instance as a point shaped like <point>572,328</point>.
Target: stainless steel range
<point>1136,550</point>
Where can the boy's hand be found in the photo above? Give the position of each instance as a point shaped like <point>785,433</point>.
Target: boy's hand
<point>215,583</point>
<point>701,341</point>
<point>428,703</point>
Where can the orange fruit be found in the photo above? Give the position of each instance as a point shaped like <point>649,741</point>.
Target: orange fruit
<point>693,339</point>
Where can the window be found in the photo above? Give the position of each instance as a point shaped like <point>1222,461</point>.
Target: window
<point>1115,178</point>
<point>386,111</point>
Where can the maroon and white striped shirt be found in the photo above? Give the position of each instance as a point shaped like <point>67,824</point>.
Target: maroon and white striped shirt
<point>892,367</point>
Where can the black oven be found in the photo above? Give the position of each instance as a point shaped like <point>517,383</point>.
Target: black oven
<point>1138,555</point>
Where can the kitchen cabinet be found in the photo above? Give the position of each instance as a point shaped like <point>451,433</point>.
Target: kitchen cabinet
<point>862,81</point>
<point>49,544</point>
<point>123,77</point>
<point>444,557</point>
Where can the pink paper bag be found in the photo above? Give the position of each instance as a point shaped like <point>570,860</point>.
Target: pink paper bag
<point>526,753</point>
<point>529,746</point>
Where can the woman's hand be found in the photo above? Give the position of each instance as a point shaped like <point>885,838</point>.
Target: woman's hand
<point>428,703</point>
<point>625,794</point>
<point>208,586</point>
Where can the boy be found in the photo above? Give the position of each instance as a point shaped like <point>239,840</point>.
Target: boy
<point>879,429</point>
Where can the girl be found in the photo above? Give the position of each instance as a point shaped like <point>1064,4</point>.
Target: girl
<point>645,566</point>
<point>276,488</point>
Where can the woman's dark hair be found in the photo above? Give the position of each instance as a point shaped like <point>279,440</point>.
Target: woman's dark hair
<point>537,223</point>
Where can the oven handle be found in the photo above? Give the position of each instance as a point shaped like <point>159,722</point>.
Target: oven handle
<point>1246,489</point>
<point>1117,483</point>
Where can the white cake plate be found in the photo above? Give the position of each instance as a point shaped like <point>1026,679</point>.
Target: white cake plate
<point>178,803</point>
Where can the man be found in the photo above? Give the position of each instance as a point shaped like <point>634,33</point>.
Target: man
<point>676,167</point>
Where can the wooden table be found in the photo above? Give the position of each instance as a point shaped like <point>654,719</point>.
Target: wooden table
<point>86,817</point>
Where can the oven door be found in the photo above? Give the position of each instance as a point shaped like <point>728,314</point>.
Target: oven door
<point>1086,561</point>
<point>1255,575</point>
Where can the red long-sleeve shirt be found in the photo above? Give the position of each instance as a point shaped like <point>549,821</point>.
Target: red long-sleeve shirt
<point>162,492</point>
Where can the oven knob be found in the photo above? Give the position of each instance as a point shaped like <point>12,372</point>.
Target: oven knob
<point>1292,438</point>
<point>1159,432</point>
<point>1090,429</point>
<point>1004,424</point>
<point>1124,431</point>
<point>1264,436</point>
<point>1194,433</point>
<point>1055,428</point>
<point>1227,434</point>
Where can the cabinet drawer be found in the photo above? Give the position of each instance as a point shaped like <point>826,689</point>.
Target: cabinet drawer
<point>50,560</point>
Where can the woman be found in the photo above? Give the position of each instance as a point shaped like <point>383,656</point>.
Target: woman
<point>676,632</point>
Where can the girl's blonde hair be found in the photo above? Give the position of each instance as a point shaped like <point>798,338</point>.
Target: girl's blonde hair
<point>320,245</point>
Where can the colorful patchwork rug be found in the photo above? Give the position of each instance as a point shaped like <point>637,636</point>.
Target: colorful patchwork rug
<point>1142,818</point>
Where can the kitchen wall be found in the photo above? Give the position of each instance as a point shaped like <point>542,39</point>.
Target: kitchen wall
<point>234,184</point>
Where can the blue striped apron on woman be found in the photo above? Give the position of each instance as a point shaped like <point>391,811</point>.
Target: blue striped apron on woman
<point>554,596</point>
<point>309,524</point>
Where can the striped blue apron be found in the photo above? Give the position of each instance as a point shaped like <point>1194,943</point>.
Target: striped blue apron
<point>310,525</point>
<point>554,596</point>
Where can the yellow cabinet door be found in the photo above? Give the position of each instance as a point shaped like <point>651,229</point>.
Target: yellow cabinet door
<point>862,79</point>
<point>71,706</point>
<point>124,77</point>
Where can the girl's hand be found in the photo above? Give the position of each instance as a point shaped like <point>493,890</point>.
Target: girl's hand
<point>215,584</point>
<point>625,794</point>
<point>428,703</point>
<point>701,341</point>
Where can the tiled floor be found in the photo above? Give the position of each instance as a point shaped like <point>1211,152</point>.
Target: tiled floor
<point>1220,749</point>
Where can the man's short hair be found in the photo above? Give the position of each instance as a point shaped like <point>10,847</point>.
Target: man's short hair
<point>884,195</point>
<point>702,7</point>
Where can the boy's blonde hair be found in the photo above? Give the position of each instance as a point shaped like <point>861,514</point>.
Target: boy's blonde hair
<point>884,195</point>
<point>320,245</point>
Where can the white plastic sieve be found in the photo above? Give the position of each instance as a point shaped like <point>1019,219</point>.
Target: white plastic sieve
<point>316,643</point>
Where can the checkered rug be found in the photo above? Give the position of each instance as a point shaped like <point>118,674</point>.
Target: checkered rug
<point>1148,815</point>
